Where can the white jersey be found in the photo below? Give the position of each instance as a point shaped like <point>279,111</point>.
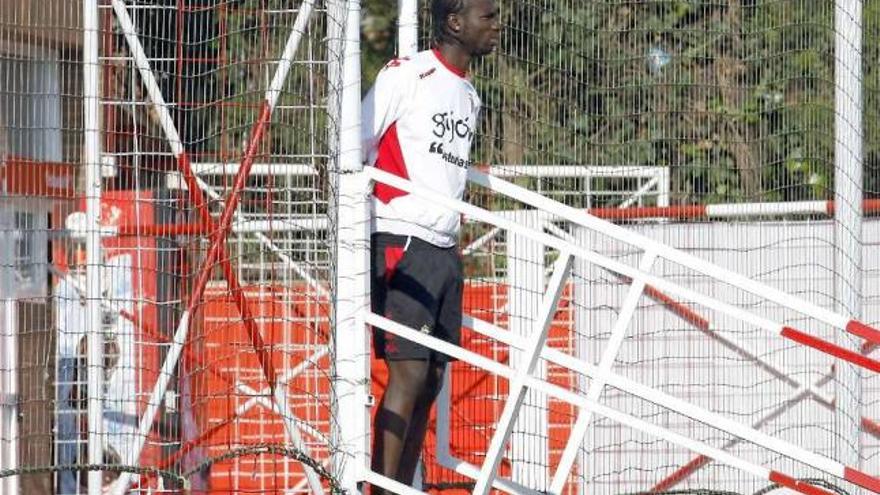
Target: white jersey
<point>418,122</point>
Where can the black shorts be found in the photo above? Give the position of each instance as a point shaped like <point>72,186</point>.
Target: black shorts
<point>418,285</point>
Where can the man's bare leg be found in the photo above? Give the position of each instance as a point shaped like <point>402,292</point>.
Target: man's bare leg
<point>407,381</point>
<point>418,426</point>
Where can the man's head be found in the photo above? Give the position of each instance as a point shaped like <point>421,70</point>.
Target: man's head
<point>471,24</point>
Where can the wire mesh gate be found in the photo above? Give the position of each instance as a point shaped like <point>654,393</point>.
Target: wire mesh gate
<point>199,224</point>
<point>641,280</point>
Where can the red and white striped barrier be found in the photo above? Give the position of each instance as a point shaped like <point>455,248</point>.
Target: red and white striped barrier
<point>731,210</point>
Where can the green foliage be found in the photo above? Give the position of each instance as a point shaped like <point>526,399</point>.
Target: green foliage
<point>378,38</point>
<point>736,98</point>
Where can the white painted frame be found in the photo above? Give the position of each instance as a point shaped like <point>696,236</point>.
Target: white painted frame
<point>640,277</point>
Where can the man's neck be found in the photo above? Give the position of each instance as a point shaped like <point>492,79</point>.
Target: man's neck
<point>455,55</point>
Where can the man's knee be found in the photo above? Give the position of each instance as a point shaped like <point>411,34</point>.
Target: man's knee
<point>434,381</point>
<point>409,375</point>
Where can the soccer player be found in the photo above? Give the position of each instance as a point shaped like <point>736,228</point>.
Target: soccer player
<point>419,121</point>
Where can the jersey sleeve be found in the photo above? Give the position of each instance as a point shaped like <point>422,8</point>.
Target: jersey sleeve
<point>385,103</point>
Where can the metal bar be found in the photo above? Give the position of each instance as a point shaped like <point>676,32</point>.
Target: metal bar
<point>297,169</point>
<point>92,165</point>
<point>9,389</point>
<point>665,251</point>
<point>625,419</point>
<point>848,181</point>
<point>658,282</point>
<point>393,486</point>
<point>281,406</point>
<point>248,226</point>
<point>443,454</point>
<point>517,387</point>
<point>525,279</point>
<point>465,468</point>
<point>568,171</point>
<point>480,242</point>
<point>736,210</point>
<point>407,28</point>
<point>639,193</point>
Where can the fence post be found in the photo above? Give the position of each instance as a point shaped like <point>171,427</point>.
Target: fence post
<point>9,399</point>
<point>92,165</point>
<point>848,162</point>
<point>351,374</point>
<point>407,27</point>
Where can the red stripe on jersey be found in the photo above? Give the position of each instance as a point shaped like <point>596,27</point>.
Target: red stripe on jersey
<point>393,255</point>
<point>390,159</point>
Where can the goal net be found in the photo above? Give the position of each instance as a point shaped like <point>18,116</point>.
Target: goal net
<point>744,110</point>
<point>170,226</point>
<point>203,269</point>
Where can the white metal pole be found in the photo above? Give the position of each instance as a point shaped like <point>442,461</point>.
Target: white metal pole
<point>281,405</point>
<point>9,397</point>
<point>351,363</point>
<point>583,273</point>
<point>848,162</point>
<point>407,27</point>
<point>92,164</point>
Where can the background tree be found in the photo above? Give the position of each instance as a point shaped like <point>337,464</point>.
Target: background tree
<point>736,98</point>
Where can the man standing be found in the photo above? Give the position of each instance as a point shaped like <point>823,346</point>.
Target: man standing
<point>419,121</point>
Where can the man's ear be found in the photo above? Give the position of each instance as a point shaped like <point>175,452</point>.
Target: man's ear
<point>454,23</point>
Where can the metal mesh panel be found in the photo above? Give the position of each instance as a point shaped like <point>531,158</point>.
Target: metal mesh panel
<point>194,343</point>
<point>735,107</point>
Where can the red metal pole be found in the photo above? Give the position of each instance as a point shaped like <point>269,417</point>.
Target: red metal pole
<point>187,353</point>
<point>217,251</point>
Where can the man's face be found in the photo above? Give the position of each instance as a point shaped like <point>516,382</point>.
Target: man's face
<point>478,26</point>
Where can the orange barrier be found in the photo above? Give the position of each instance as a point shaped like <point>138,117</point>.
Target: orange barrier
<point>223,345</point>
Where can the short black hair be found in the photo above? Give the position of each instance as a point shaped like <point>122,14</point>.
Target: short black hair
<point>440,12</point>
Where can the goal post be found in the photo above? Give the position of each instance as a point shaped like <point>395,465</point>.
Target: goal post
<point>351,366</point>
